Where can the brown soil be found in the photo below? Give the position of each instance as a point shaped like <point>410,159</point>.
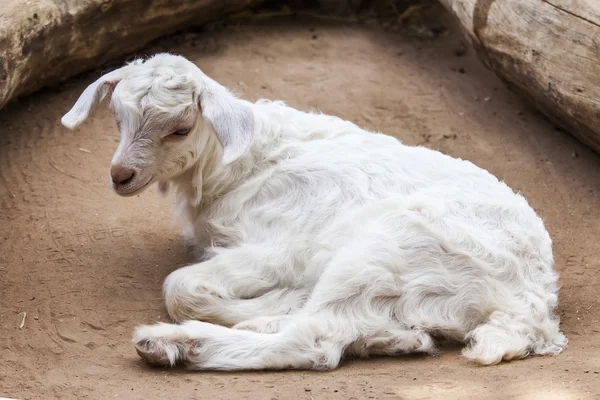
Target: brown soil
<point>87,266</point>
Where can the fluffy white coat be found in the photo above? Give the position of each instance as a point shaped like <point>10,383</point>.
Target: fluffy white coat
<point>320,239</point>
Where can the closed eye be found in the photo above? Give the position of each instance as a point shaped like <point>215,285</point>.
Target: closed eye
<point>181,132</point>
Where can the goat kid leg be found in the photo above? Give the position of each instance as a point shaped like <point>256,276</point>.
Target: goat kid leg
<point>309,343</point>
<point>235,285</point>
<point>393,341</point>
<point>265,324</point>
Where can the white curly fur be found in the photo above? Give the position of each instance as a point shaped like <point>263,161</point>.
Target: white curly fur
<point>320,239</point>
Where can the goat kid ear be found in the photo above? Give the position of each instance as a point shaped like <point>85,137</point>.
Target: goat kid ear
<point>232,120</point>
<point>91,97</point>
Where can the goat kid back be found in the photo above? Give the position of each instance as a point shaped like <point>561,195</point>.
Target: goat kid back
<point>318,239</point>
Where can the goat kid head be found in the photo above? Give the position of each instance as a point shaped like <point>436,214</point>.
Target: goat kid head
<point>167,112</point>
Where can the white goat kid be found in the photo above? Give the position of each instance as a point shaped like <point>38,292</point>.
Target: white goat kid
<point>321,239</point>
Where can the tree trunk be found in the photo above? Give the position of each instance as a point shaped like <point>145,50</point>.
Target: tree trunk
<point>45,41</point>
<point>547,50</point>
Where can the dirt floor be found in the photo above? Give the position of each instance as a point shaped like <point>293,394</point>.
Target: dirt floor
<point>86,266</point>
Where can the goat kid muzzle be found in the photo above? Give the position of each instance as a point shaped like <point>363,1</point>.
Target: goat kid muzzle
<point>127,180</point>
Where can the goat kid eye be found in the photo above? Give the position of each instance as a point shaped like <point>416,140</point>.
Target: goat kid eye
<point>181,132</point>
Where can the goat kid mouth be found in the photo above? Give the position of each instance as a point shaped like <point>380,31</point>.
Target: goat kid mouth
<point>131,188</point>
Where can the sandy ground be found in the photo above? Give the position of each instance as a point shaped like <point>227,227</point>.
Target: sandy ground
<point>87,266</point>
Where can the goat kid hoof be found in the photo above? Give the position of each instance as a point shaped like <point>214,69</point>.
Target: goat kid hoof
<point>152,353</point>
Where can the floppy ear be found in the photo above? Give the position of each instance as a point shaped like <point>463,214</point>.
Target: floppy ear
<point>92,96</point>
<point>232,120</point>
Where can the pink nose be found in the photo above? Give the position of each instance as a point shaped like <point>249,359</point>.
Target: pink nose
<point>121,175</point>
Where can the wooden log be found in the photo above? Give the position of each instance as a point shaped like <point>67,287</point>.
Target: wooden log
<point>547,50</point>
<point>45,41</point>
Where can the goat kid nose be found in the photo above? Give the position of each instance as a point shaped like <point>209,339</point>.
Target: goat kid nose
<point>121,175</point>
